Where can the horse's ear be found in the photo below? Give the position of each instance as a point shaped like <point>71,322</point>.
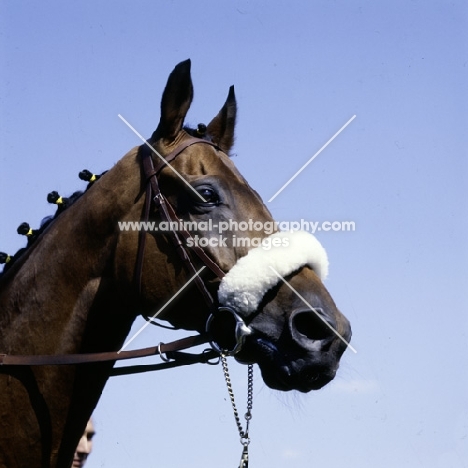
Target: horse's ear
<point>175,103</point>
<point>221,128</point>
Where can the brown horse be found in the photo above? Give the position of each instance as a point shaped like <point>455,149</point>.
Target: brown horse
<point>74,290</point>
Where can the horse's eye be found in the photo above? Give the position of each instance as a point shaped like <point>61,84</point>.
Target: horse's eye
<point>209,195</point>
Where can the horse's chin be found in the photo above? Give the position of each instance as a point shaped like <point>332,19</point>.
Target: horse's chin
<point>283,372</point>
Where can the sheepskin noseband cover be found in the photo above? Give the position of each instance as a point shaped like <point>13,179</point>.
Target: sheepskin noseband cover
<point>251,277</point>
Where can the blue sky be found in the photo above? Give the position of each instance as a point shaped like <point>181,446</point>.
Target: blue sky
<point>399,171</point>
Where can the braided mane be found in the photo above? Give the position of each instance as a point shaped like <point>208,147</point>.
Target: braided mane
<point>32,234</point>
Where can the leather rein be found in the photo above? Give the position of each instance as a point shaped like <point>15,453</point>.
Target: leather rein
<point>169,352</point>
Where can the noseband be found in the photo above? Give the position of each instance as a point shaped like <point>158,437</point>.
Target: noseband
<point>157,202</point>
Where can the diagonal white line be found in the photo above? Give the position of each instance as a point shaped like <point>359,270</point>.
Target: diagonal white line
<point>162,308</point>
<point>314,311</point>
<point>312,158</point>
<point>157,153</point>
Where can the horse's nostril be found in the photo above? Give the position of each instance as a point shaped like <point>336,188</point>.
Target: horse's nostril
<point>312,325</point>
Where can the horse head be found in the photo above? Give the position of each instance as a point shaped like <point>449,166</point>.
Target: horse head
<point>272,292</point>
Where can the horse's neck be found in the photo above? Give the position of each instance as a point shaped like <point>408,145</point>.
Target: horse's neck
<point>67,270</point>
<point>62,298</point>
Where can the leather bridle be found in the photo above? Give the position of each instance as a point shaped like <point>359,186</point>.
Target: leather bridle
<point>155,198</point>
<point>156,201</point>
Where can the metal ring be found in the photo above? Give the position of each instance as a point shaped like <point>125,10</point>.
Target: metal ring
<point>161,354</point>
<point>241,331</point>
<point>245,440</point>
<point>214,361</point>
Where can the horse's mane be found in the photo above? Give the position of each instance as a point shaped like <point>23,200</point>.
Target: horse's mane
<point>62,203</point>
<point>65,202</point>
